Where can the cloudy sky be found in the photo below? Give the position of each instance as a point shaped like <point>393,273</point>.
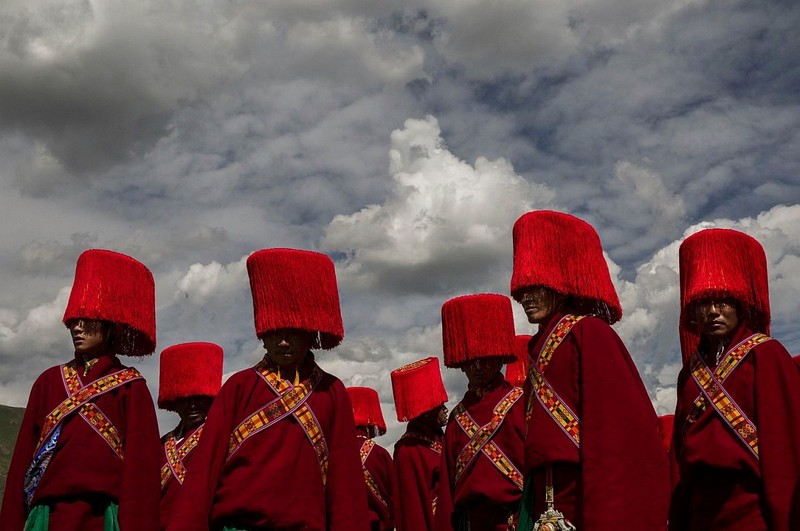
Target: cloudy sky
<point>403,142</point>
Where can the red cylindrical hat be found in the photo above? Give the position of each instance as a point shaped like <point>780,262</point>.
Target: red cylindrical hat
<point>189,369</point>
<point>517,370</point>
<point>114,287</point>
<point>417,388</point>
<point>477,326</point>
<point>295,289</point>
<point>667,425</point>
<point>718,263</point>
<point>561,252</point>
<point>367,408</point>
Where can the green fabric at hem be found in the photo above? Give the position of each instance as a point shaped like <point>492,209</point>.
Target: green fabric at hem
<point>526,519</point>
<point>39,518</point>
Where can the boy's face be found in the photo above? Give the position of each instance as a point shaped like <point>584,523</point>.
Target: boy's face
<point>481,371</point>
<point>193,410</point>
<point>540,303</point>
<point>717,318</point>
<point>287,348</point>
<point>88,336</point>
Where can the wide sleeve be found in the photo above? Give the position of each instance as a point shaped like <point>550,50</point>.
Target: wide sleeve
<point>777,401</point>
<point>625,470</point>
<point>389,483</point>
<point>140,491</point>
<point>444,490</point>
<point>192,509</point>
<point>412,496</point>
<point>13,513</point>
<point>345,490</point>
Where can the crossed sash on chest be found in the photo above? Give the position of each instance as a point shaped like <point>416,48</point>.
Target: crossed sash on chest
<point>79,401</point>
<point>289,402</point>
<point>372,485</point>
<point>714,394</point>
<point>480,439</point>
<point>559,411</point>
<point>176,454</point>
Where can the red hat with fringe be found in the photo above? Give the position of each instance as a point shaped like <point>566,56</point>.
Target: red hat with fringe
<point>367,408</point>
<point>517,370</point>
<point>114,287</point>
<point>296,289</point>
<point>477,326</point>
<point>716,263</point>
<point>417,388</point>
<point>667,425</point>
<point>561,252</point>
<point>189,369</point>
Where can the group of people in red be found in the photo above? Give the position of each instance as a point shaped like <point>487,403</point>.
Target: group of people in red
<point>566,439</point>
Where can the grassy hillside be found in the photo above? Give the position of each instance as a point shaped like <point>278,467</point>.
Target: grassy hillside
<point>10,419</point>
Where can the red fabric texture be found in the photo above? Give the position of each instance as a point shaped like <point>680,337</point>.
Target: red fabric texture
<point>274,481</point>
<point>517,370</point>
<point>367,408</point>
<point>295,289</point>
<point>417,388</point>
<point>417,469</point>
<point>563,253</point>
<point>722,263</point>
<point>477,326</point>
<point>170,492</point>
<point>85,474</point>
<point>381,467</point>
<point>482,485</point>
<point>110,286</point>
<point>722,486</point>
<point>619,477</point>
<point>189,369</point>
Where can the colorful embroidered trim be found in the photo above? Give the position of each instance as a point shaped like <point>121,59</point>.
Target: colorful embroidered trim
<point>372,485</point>
<point>558,410</point>
<point>174,466</point>
<point>481,439</point>
<point>291,400</point>
<point>430,443</point>
<point>78,399</point>
<point>715,394</point>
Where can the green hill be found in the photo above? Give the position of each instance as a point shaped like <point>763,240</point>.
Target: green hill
<point>10,419</point>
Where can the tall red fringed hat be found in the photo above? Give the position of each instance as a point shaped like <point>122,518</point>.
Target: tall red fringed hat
<point>296,289</point>
<point>417,388</point>
<point>718,263</point>
<point>367,408</point>
<point>111,286</point>
<point>667,423</point>
<point>564,253</point>
<point>477,326</point>
<point>517,370</point>
<point>189,369</point>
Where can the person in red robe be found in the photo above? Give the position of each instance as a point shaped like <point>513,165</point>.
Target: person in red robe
<point>375,460</point>
<point>592,432</point>
<point>419,397</point>
<point>484,442</point>
<point>737,419</point>
<point>92,461</point>
<point>278,450</point>
<point>189,378</point>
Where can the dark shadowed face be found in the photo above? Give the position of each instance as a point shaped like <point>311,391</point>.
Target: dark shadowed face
<point>193,410</point>
<point>481,371</point>
<point>287,348</point>
<point>442,415</point>
<point>89,337</point>
<point>540,303</point>
<point>717,318</point>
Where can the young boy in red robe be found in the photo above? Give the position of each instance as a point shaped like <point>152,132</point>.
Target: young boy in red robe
<point>189,379</point>
<point>419,398</point>
<point>591,426</point>
<point>737,420</point>
<point>375,460</point>
<point>484,442</point>
<point>87,452</point>
<point>278,450</point>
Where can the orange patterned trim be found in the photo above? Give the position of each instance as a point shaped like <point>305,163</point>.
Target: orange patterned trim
<point>372,485</point>
<point>174,466</point>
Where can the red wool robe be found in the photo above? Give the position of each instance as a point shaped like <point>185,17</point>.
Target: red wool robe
<point>172,487</point>
<point>620,474</point>
<point>417,457</point>
<point>380,466</point>
<point>273,481</point>
<point>85,474</point>
<point>486,494</point>
<point>722,485</point>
